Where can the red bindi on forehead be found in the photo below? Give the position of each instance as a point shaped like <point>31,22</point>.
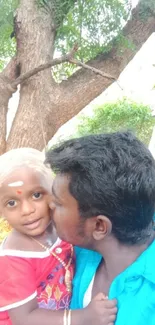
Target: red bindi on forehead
<point>19,192</point>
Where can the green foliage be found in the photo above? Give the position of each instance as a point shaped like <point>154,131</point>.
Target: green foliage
<point>90,23</point>
<point>7,45</point>
<point>123,43</point>
<point>147,8</point>
<point>121,115</point>
<point>58,8</point>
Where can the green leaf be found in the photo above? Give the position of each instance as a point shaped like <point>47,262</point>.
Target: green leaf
<point>121,115</point>
<point>93,24</point>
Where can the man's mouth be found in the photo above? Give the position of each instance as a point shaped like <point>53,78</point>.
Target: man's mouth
<point>33,224</point>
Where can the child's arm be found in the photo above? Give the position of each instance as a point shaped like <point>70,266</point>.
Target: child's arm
<point>99,312</point>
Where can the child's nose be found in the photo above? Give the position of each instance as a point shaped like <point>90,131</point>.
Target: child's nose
<point>28,207</point>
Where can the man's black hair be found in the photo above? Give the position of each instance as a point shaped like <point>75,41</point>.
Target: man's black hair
<point>113,175</point>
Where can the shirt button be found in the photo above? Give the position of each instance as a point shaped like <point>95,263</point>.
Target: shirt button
<point>58,250</point>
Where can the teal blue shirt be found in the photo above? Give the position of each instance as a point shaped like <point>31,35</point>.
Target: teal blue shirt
<point>134,288</point>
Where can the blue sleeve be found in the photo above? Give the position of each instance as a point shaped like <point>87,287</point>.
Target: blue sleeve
<point>87,262</point>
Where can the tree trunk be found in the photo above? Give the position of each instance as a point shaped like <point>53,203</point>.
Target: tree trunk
<point>9,74</point>
<point>44,105</point>
<point>35,36</point>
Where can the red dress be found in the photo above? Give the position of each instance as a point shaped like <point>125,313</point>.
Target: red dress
<point>26,275</point>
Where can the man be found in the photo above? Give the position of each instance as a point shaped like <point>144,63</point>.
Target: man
<point>104,200</point>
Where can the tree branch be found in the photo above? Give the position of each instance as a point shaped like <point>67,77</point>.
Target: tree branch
<point>86,66</point>
<point>6,91</point>
<point>82,87</point>
<point>59,103</point>
<point>65,58</point>
<point>88,86</point>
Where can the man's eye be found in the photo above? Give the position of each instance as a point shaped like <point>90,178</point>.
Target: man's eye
<point>11,203</point>
<point>37,195</point>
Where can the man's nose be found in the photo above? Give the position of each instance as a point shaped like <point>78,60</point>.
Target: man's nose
<point>28,207</point>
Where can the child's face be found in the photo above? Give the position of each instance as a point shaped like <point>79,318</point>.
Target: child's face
<point>24,202</point>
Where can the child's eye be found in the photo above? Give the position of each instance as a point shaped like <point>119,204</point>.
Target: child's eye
<point>11,203</point>
<point>37,195</point>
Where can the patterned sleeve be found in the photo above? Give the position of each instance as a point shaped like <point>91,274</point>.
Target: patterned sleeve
<point>17,282</point>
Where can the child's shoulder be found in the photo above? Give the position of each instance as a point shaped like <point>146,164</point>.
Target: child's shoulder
<point>16,246</point>
<point>17,241</point>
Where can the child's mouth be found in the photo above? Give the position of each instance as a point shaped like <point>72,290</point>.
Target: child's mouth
<point>33,225</point>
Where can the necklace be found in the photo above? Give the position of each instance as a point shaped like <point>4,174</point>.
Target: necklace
<point>68,280</point>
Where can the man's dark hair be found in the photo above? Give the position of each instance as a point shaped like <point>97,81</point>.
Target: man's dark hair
<point>113,175</point>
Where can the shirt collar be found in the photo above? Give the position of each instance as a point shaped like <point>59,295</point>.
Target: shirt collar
<point>143,266</point>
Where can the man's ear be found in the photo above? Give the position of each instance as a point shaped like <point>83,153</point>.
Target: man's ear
<point>103,227</point>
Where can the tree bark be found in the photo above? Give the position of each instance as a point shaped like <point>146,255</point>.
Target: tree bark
<point>35,36</point>
<point>6,90</point>
<point>44,105</point>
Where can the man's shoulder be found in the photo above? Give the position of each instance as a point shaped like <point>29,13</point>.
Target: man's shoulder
<point>86,255</point>
<point>87,262</point>
<point>147,259</point>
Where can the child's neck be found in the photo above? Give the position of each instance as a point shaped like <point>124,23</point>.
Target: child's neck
<point>19,241</point>
<point>49,237</point>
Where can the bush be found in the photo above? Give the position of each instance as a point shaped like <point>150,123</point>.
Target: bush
<point>4,229</point>
<point>119,116</point>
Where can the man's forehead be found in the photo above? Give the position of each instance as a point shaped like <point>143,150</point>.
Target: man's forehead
<point>61,180</point>
<point>61,192</point>
<point>60,185</point>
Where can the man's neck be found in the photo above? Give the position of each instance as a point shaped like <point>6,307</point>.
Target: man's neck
<point>117,257</point>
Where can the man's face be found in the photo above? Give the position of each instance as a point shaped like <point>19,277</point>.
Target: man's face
<point>65,213</point>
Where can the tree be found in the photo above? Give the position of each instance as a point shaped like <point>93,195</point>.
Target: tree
<point>117,116</point>
<point>40,26</point>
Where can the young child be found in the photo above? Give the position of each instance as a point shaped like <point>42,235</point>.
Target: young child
<point>36,268</point>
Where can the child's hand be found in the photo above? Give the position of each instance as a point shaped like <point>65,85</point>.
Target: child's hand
<point>101,311</point>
